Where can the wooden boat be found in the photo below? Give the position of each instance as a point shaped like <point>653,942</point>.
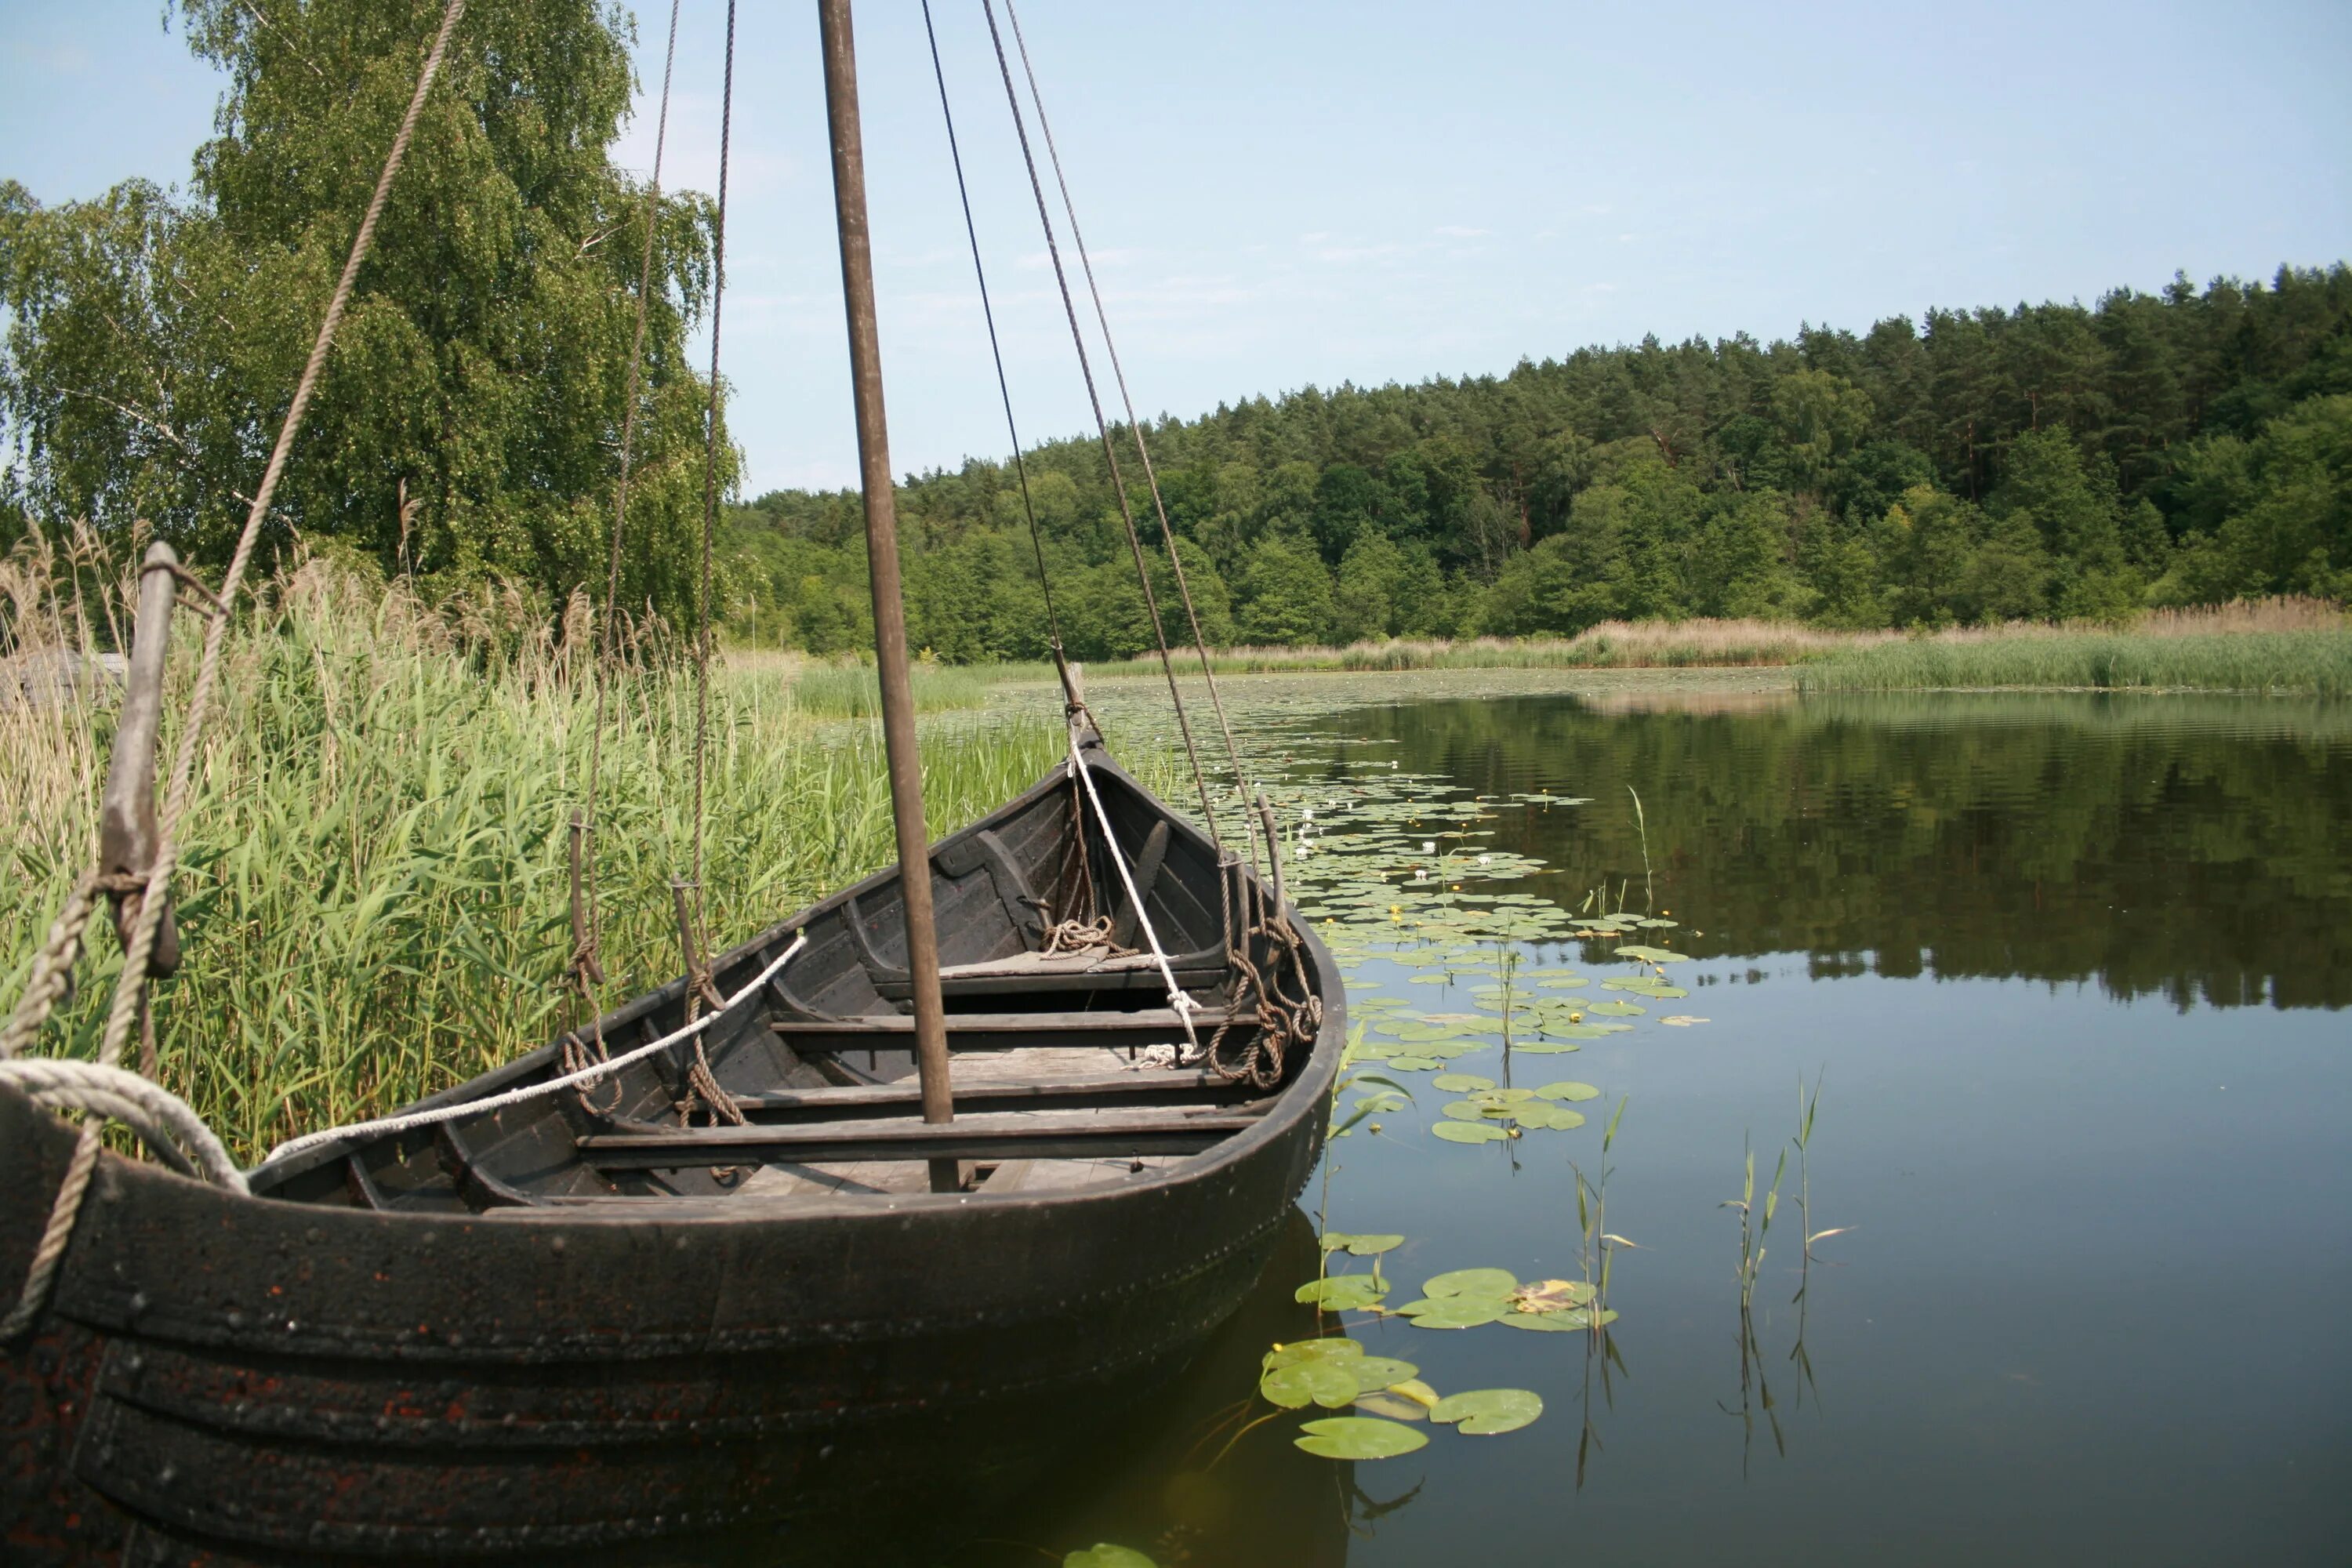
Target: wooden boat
<point>551,1324</point>
<point>984,1149</point>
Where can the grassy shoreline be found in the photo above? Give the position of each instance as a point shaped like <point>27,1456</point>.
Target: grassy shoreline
<point>375,886</point>
<point>2297,646</point>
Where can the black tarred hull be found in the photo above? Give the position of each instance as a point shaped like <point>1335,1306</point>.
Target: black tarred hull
<point>324,1380</point>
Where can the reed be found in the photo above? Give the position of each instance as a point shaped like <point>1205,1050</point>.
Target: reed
<point>375,894</point>
<point>2158,657</point>
<point>2231,645</point>
<point>1613,645</point>
<point>855,691</point>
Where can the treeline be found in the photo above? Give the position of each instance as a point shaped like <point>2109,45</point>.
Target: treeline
<point>2169,448</point>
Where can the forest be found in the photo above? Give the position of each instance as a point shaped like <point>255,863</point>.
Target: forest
<point>2052,461</point>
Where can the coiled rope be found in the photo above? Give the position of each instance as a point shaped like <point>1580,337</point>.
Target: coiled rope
<point>57,956</point>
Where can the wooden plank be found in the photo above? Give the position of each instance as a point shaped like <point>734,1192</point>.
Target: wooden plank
<point>1002,1031</point>
<point>1096,979</point>
<point>1063,1092</point>
<point>1017,1136</point>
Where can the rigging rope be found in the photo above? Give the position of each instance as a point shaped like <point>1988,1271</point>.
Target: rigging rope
<point>709,510</point>
<point>586,968</point>
<point>1135,428</point>
<point>1177,998</point>
<point>577,1078</point>
<point>1003,391</point>
<point>130,990</point>
<point>1280,1017</point>
<point>1102,426</point>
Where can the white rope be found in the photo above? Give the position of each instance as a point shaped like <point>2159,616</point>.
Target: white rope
<point>152,1110</point>
<point>1177,998</point>
<point>385,1125</point>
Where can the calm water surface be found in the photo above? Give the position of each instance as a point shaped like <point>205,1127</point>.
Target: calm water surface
<point>2075,969</point>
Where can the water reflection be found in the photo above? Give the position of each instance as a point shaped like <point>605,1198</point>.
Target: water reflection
<point>2192,849</point>
<point>2030,1187</point>
<point>1188,1481</point>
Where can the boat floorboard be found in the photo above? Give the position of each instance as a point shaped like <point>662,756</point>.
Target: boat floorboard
<point>846,1178</point>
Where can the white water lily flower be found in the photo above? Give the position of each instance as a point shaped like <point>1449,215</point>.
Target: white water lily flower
<point>1429,846</point>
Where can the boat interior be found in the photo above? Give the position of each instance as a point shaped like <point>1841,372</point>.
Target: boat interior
<point>1069,1065</point>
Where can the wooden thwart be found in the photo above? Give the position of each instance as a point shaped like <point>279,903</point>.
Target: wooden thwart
<point>1021,1135</point>
<point>1002,1031</point>
<point>1063,1092</point>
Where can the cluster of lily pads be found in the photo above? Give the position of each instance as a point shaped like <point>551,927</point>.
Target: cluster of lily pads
<point>1460,1298</point>
<point>1485,1112</point>
<point>1339,1373</point>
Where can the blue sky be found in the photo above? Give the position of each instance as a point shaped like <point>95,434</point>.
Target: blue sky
<point>1302,193</point>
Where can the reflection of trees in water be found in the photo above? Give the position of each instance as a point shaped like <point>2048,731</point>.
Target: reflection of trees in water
<point>2188,847</point>
<point>1166,1477</point>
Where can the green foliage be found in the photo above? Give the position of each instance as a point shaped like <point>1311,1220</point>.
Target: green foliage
<point>2049,461</point>
<point>2314,662</point>
<point>480,376</point>
<point>373,891</point>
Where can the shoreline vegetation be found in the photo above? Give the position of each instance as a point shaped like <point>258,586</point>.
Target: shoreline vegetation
<point>374,881</point>
<point>2288,644</point>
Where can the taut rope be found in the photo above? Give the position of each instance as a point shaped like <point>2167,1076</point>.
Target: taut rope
<point>1102,426</point>
<point>1135,428</point>
<point>578,1078</point>
<point>1003,391</point>
<point>587,971</point>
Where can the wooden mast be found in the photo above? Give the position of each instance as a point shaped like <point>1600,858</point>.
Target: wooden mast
<point>882,555</point>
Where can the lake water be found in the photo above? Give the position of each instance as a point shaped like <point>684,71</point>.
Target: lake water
<point>2072,971</point>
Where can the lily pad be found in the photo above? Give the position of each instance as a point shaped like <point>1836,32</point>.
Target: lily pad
<point>1494,1282</point>
<point>1574,1321</point>
<point>1545,1323</point>
<point>1374,1372</point>
<point>1457,1082</point>
<point>1103,1554</point>
<point>1550,1295</point>
<point>1393,1407</point>
<point>1415,1064</point>
<point>1331,1348</point>
<point>1487,1411</point>
<point>1463,1110</point>
<point>1360,1437</point>
<point>1570,1090</point>
<point>1359,1246</point>
<point>1342,1292</point>
<point>1468,1131</point>
<point>1613,1009</point>
<point>1547,1047</point>
<point>1549,1118</point>
<point>1413,1388</point>
<point>1328,1383</point>
<point>1459,1312</point>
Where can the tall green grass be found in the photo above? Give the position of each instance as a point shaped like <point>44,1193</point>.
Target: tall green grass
<point>855,691</point>
<point>375,901</point>
<point>2317,663</point>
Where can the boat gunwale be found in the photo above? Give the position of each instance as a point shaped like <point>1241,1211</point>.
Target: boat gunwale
<point>1307,1090</point>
